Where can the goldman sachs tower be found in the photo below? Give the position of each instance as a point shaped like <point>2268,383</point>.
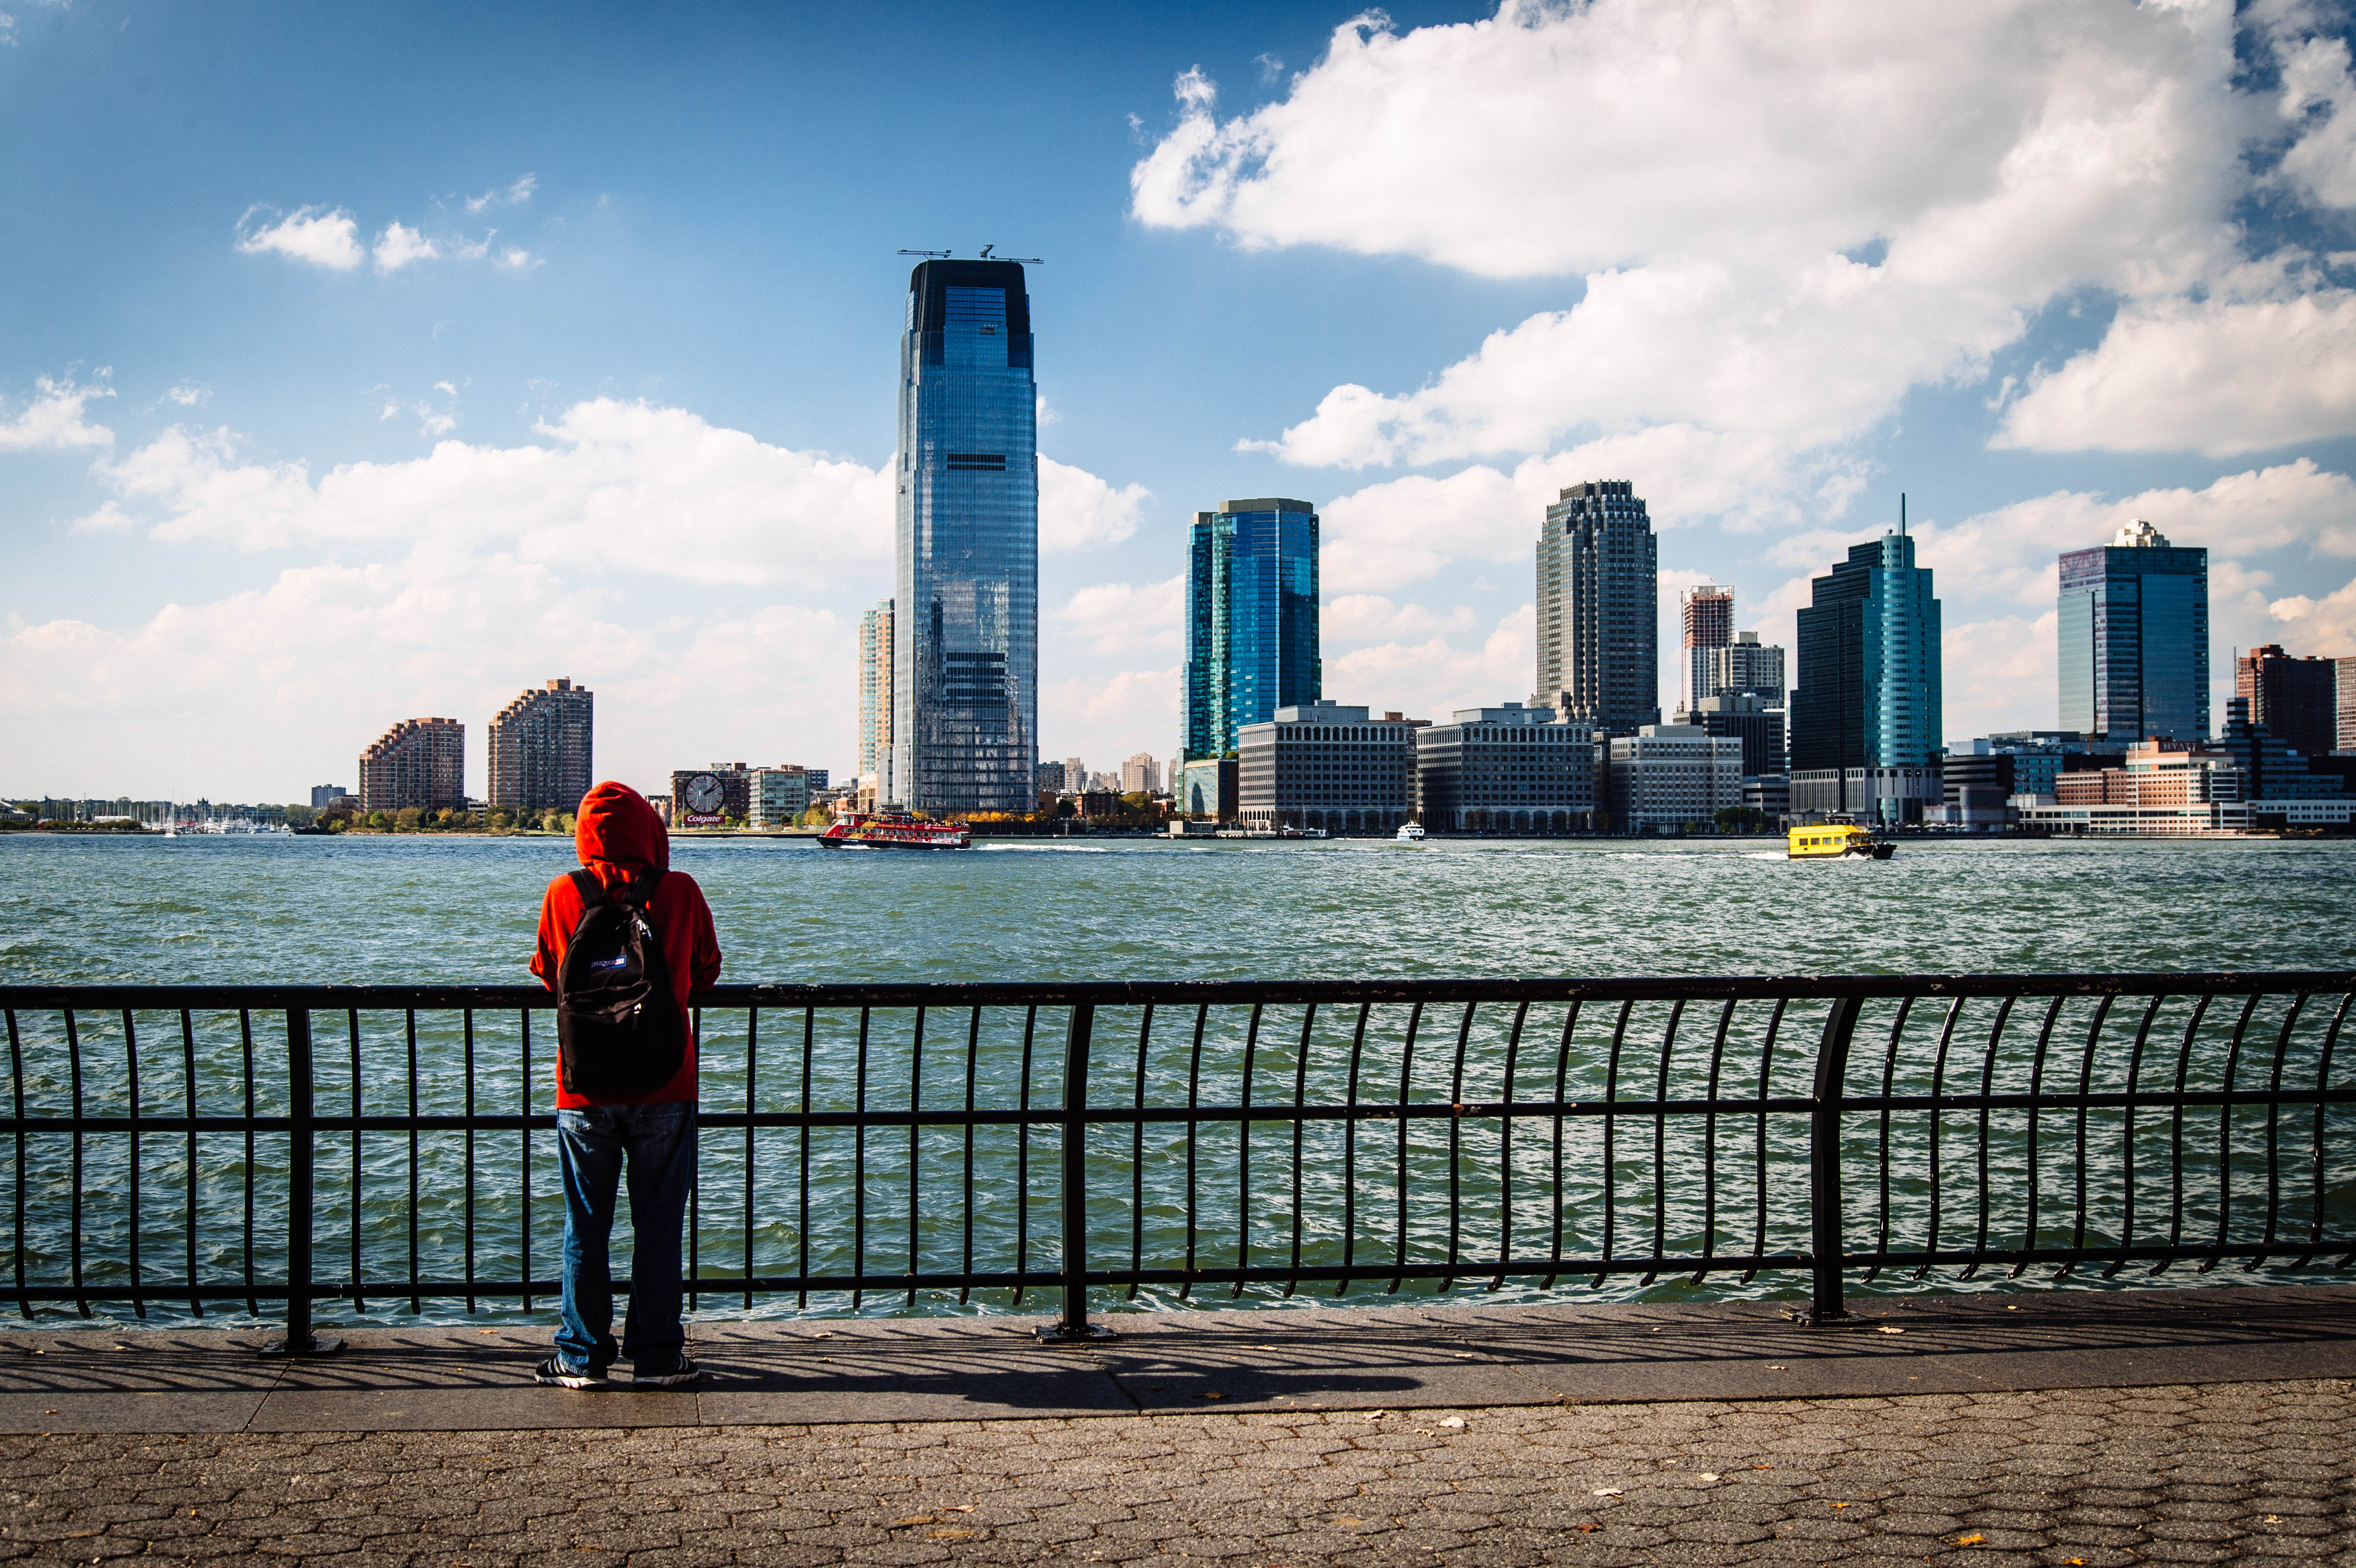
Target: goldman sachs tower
<point>966,617</point>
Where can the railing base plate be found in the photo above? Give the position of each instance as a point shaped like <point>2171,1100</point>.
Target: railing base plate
<point>1058,1333</point>
<point>309,1345</point>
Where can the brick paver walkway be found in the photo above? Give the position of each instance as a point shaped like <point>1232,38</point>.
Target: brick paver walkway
<point>2206,1473</point>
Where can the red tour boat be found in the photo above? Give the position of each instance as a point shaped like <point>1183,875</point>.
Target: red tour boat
<point>896,830</point>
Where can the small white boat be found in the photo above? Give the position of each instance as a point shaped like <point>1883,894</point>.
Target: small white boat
<point>1412,832</point>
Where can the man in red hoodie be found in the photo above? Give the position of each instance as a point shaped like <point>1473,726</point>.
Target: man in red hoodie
<point>623,844</point>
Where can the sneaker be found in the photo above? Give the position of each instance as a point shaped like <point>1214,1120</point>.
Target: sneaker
<point>684,1371</point>
<point>556,1373</point>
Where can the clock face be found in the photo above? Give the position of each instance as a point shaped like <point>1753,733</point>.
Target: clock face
<point>703,795</point>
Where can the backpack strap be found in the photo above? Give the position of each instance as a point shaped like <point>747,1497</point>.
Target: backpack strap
<point>638,894</point>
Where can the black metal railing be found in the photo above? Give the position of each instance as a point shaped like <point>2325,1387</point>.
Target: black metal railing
<point>175,1146</point>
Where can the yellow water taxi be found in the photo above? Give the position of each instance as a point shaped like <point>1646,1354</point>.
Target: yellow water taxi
<point>1837,840</point>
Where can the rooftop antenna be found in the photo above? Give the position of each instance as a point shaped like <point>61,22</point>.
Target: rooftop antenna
<point>1902,514</point>
<point>943,255</point>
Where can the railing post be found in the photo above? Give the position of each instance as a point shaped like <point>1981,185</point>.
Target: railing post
<point>300,1110</point>
<point>1826,1244</point>
<point>1073,1324</point>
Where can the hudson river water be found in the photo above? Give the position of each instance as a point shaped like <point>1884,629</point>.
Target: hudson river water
<point>389,911</point>
<point>262,910</point>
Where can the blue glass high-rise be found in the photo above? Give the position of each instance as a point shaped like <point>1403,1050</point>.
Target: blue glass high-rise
<point>965,729</point>
<point>1870,688</point>
<point>1251,619</point>
<point>2133,645</point>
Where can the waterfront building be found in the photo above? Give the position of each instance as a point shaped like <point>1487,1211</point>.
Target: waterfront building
<point>1140,776</point>
<point>418,762</point>
<point>1868,689</point>
<point>1745,665</point>
<point>1507,769</point>
<point>965,627</point>
<point>1326,765</point>
<point>1599,608</point>
<point>1707,614</point>
<point>540,746</point>
<point>1770,794</point>
<point>326,796</point>
<point>1206,787</point>
<point>1889,796</point>
<point>1745,718</point>
<point>1667,777</point>
<point>2167,787</point>
<point>776,797</point>
<point>1049,779</point>
<point>2133,642</point>
<point>2039,757</point>
<point>1977,788</point>
<point>876,698</point>
<point>703,797</point>
<point>2295,699</point>
<point>2163,772</point>
<point>2246,781</point>
<point>2273,769</point>
<point>1251,620</point>
<point>2343,682</point>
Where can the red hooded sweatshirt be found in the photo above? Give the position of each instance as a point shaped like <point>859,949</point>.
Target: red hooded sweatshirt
<point>620,838</point>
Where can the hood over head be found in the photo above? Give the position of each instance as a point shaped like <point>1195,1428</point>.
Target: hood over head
<point>618,836</point>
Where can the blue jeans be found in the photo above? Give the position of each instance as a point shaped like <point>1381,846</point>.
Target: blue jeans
<point>658,1142</point>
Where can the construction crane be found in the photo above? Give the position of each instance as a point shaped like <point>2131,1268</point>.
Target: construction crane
<point>942,255</point>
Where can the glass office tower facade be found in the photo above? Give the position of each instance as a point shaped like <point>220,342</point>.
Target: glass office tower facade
<point>2133,648</point>
<point>1870,689</point>
<point>1251,619</point>
<point>965,622</point>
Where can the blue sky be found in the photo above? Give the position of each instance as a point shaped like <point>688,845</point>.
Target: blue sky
<point>368,362</point>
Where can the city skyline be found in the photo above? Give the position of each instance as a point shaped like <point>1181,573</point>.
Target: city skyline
<point>578,371</point>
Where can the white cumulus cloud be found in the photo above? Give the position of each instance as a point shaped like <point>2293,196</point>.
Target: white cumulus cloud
<point>1123,620</point>
<point>323,237</point>
<point>399,245</point>
<point>1402,530</point>
<point>1078,510</point>
<point>1432,677</point>
<point>618,487</point>
<point>1776,219</point>
<point>53,419</point>
<point>2221,375</point>
<point>2319,98</point>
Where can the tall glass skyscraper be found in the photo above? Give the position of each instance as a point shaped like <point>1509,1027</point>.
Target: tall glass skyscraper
<point>1599,608</point>
<point>965,729</point>
<point>2133,653</point>
<point>1868,691</point>
<point>1251,619</point>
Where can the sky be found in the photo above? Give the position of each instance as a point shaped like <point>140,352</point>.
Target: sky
<point>362,362</point>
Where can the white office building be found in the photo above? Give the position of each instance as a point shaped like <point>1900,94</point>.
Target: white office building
<point>1324,765</point>
<point>1669,776</point>
<point>1506,770</point>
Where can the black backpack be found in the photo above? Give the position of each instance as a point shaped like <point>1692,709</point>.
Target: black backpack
<point>619,1031</point>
